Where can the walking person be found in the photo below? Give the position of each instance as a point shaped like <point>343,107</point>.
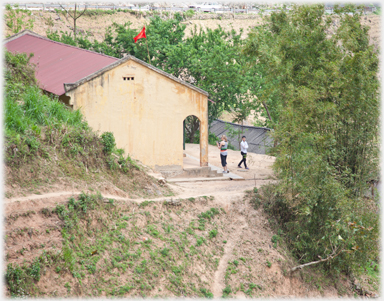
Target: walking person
<point>244,147</point>
<point>223,146</point>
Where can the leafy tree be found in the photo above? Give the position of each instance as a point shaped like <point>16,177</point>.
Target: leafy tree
<point>323,93</point>
<point>209,59</point>
<point>212,60</point>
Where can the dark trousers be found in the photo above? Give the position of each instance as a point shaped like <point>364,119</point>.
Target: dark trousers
<point>223,160</point>
<point>244,159</point>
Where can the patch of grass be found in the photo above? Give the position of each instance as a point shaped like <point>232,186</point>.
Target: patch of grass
<point>226,291</point>
<point>164,252</point>
<point>206,293</point>
<point>200,240</point>
<point>213,233</point>
<point>145,204</point>
<point>99,12</point>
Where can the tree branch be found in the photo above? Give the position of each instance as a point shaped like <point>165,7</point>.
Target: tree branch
<point>66,11</point>
<point>82,12</point>
<point>266,108</point>
<point>332,256</point>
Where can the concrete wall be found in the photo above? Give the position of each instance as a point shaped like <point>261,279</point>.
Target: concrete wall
<point>145,114</point>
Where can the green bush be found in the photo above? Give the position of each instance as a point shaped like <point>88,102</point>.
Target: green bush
<point>29,113</point>
<point>189,13</point>
<point>200,241</point>
<point>213,233</point>
<point>20,280</point>
<point>206,293</point>
<point>226,291</point>
<point>108,142</point>
<point>275,238</point>
<point>209,213</point>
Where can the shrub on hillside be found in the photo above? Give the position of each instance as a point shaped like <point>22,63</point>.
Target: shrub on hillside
<point>108,142</point>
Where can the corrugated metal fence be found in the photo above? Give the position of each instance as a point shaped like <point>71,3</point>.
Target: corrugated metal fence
<point>258,138</point>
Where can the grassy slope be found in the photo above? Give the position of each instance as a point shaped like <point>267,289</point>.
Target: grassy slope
<point>90,246</point>
<point>51,148</point>
<point>117,249</point>
<point>99,247</point>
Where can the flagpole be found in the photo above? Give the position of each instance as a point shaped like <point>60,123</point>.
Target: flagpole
<point>149,59</point>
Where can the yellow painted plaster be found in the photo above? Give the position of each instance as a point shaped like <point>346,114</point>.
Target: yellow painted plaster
<point>145,114</point>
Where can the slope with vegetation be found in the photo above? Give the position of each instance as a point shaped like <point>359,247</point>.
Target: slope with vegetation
<point>48,147</point>
<point>326,90</point>
<point>89,246</point>
<point>109,248</point>
<point>320,92</point>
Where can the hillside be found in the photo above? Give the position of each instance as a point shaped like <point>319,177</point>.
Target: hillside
<point>195,247</point>
<point>95,23</point>
<point>83,219</point>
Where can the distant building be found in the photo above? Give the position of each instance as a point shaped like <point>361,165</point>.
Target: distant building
<point>258,138</point>
<point>329,8</point>
<point>143,106</point>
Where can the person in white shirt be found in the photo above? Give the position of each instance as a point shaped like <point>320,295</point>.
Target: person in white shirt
<point>244,147</point>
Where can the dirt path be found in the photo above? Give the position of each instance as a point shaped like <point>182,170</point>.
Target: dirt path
<point>218,284</point>
<point>59,194</point>
<point>182,190</point>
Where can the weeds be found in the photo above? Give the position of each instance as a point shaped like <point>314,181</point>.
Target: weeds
<point>15,18</point>
<point>206,293</point>
<point>269,264</point>
<point>101,239</point>
<point>226,291</point>
<point>21,280</point>
<point>108,141</point>
<point>213,233</point>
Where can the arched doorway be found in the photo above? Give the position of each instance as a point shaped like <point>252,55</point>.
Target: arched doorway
<point>191,133</point>
<point>196,132</point>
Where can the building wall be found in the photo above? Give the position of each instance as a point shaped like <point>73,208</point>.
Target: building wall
<point>145,114</point>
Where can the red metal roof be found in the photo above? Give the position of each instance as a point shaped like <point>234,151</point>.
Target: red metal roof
<point>58,63</point>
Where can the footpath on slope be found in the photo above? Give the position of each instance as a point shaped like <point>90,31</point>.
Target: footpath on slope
<point>248,263</point>
<point>244,233</point>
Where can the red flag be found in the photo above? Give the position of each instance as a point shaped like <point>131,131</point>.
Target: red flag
<point>140,35</point>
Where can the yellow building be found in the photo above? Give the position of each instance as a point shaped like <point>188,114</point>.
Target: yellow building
<point>143,106</point>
